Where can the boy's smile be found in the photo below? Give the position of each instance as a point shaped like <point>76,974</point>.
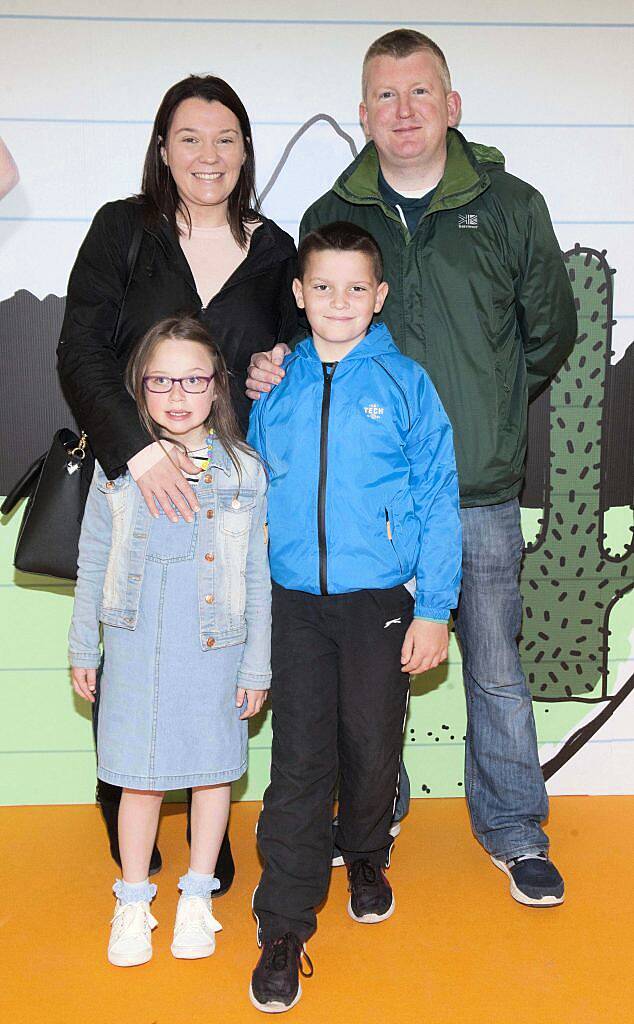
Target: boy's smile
<point>340,294</point>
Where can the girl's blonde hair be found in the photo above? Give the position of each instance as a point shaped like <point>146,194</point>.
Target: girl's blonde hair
<point>222,418</point>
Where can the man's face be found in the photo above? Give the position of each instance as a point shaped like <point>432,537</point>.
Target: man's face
<point>406,111</point>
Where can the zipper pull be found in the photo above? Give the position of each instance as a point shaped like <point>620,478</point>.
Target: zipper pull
<point>388,526</point>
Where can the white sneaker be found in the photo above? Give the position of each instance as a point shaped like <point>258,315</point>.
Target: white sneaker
<point>131,934</point>
<point>194,928</point>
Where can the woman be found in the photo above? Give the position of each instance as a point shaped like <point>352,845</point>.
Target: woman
<point>204,249</point>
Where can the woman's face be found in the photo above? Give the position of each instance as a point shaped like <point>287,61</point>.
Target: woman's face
<point>204,151</point>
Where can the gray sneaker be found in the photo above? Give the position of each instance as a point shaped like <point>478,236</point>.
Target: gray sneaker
<point>535,881</point>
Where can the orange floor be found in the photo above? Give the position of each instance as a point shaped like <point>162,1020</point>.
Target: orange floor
<point>458,949</point>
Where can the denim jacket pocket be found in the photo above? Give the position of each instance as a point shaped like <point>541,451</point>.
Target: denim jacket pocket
<point>235,512</point>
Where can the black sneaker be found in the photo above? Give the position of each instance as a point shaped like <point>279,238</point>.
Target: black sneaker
<point>371,897</point>
<point>275,985</point>
<point>225,869</point>
<point>110,812</point>
<point>535,881</point>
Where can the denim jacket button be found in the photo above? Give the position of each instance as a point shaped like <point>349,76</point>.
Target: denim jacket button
<point>208,478</point>
<point>209,598</point>
<point>110,485</point>
<point>210,513</point>
<point>209,557</point>
<point>210,641</point>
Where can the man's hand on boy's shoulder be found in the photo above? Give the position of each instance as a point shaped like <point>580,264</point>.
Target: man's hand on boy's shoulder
<point>265,370</point>
<point>425,646</point>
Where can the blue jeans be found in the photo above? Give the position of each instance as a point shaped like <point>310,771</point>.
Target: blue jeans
<point>503,778</point>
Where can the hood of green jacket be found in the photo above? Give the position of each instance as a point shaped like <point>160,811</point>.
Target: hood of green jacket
<point>465,177</point>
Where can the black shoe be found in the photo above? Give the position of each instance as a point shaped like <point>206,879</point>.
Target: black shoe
<point>225,867</point>
<point>108,798</point>
<point>109,804</point>
<point>371,897</point>
<point>275,985</point>
<point>156,861</point>
<point>535,881</point>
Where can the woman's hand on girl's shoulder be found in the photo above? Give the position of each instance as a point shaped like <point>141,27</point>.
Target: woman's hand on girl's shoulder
<point>84,682</point>
<point>166,484</point>
<point>254,701</point>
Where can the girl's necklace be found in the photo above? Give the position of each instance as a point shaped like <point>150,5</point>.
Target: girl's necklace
<point>203,460</point>
<point>209,441</point>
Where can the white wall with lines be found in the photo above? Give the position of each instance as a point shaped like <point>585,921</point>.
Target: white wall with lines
<point>549,83</point>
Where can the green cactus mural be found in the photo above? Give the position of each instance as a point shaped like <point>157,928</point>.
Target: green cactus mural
<point>572,583</point>
<point>570,579</point>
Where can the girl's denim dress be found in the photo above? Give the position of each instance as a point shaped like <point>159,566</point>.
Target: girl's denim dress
<point>185,612</point>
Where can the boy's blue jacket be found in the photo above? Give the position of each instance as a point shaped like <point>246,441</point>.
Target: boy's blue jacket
<point>363,487</point>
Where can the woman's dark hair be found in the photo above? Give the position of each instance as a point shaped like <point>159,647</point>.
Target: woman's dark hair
<point>158,188</point>
<point>342,236</point>
<point>222,418</point>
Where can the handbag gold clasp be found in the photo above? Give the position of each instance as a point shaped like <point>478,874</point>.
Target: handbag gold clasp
<point>80,451</point>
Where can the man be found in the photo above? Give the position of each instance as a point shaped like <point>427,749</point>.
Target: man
<point>480,297</point>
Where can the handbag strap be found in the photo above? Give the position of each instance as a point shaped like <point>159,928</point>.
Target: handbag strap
<point>131,261</point>
<point>133,255</point>
<point>23,487</point>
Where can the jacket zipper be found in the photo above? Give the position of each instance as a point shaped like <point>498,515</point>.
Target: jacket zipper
<point>229,283</point>
<point>390,537</point>
<point>329,373</point>
<point>233,284</point>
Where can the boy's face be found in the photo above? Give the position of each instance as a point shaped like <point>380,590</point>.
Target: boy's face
<point>340,294</point>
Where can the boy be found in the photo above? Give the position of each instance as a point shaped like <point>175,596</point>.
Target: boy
<point>363,496</point>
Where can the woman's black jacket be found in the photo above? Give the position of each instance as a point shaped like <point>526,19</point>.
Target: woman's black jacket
<point>253,310</point>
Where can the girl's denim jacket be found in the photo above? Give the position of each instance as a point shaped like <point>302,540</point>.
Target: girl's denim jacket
<point>231,559</point>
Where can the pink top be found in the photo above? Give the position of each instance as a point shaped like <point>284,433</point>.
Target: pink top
<point>213,255</point>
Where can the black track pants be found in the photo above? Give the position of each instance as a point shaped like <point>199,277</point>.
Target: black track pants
<point>339,700</point>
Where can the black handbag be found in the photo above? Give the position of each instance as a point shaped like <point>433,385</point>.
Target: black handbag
<point>57,487</point>
<point>55,484</point>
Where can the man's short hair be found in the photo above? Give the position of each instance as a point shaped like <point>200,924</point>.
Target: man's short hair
<point>340,236</point>
<point>403,42</point>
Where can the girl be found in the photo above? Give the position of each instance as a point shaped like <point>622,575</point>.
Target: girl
<point>185,610</point>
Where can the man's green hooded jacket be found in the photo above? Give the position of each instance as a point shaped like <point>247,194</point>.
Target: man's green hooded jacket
<point>479,296</point>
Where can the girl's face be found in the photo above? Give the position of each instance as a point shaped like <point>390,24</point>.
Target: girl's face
<point>182,414</point>
<point>205,152</point>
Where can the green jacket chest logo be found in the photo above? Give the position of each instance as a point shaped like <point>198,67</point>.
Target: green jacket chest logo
<point>467,220</point>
